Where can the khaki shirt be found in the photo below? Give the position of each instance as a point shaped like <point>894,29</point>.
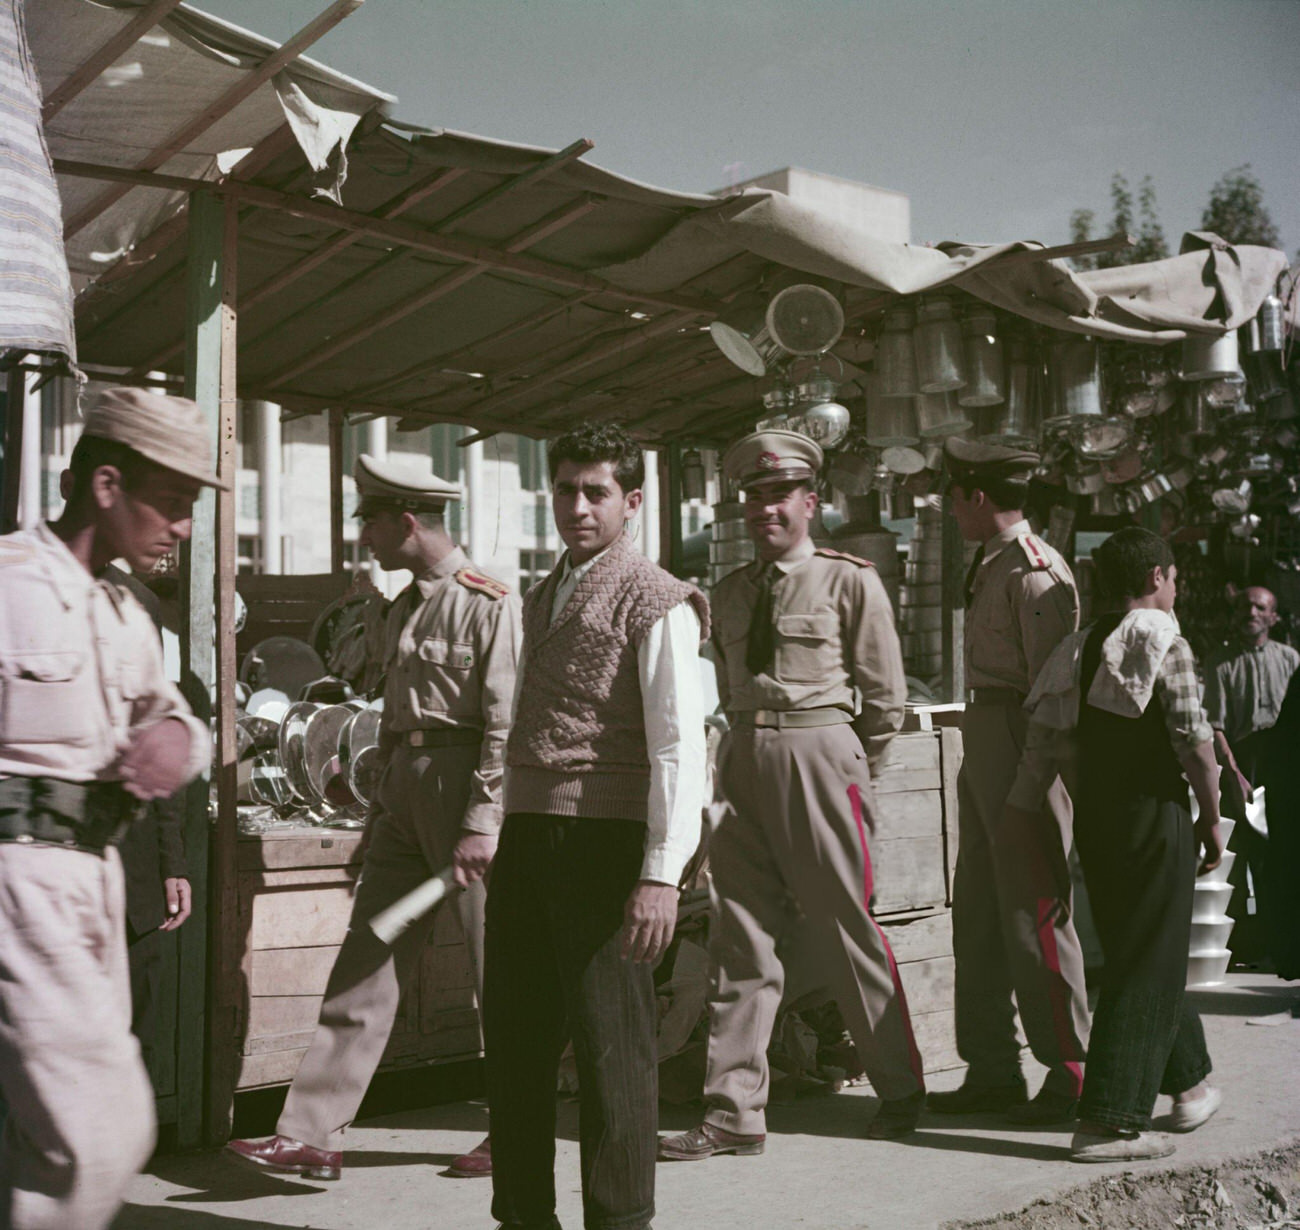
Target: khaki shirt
<point>836,646</point>
<point>451,661</point>
<point>81,669</point>
<point>1024,605</point>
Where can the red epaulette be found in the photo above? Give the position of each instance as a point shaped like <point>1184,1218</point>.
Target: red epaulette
<point>1035,552</point>
<point>482,584</point>
<point>844,555</point>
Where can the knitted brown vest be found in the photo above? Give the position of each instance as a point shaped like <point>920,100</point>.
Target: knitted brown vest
<point>577,744</point>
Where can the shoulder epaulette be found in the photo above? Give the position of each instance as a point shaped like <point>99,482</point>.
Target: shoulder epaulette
<point>482,584</point>
<point>844,555</point>
<point>1035,552</point>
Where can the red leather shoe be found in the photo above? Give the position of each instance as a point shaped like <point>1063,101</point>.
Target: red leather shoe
<point>476,1164</point>
<point>280,1155</point>
<point>706,1140</point>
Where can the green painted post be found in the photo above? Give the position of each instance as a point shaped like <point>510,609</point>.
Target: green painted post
<point>198,572</point>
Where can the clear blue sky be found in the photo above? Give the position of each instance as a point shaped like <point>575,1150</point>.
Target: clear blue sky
<point>996,117</point>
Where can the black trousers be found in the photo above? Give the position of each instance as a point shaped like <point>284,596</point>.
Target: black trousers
<point>552,970</point>
<point>144,960</point>
<point>1139,863</point>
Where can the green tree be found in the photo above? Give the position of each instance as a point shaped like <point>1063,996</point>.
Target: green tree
<point>1236,210</point>
<point>1151,238</point>
<point>1151,245</point>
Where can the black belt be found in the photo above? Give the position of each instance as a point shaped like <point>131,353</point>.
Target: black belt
<point>82,815</point>
<point>441,736</point>
<point>995,696</point>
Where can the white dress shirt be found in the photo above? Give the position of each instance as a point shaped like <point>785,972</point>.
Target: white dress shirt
<point>672,705</point>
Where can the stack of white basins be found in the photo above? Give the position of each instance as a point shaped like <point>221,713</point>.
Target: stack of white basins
<point>921,599</point>
<point>1208,955</point>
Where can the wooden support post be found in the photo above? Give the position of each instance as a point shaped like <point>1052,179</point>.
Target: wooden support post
<point>952,683</point>
<point>15,412</point>
<point>336,490</point>
<point>670,509</point>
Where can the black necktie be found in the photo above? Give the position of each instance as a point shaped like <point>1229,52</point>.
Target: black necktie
<point>969,588</point>
<point>761,643</point>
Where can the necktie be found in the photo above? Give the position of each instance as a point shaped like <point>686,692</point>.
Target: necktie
<point>969,587</point>
<point>761,642</point>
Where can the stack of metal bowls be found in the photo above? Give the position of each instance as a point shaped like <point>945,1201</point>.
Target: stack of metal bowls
<point>729,545</point>
<point>922,596</point>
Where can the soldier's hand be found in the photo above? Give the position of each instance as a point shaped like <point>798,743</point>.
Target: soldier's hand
<point>472,857</point>
<point>156,763</point>
<point>180,900</point>
<point>649,919</point>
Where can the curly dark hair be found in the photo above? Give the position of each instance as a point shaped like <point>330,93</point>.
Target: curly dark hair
<point>597,442</point>
<point>1125,560</point>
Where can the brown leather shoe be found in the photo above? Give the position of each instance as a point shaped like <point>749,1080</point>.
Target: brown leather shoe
<point>476,1164</point>
<point>280,1155</point>
<point>706,1140</point>
<point>897,1118</point>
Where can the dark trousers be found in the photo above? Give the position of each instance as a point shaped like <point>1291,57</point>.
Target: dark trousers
<point>144,959</point>
<point>553,969</point>
<point>1139,863</point>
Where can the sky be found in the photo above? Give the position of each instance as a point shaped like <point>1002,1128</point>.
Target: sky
<point>997,118</point>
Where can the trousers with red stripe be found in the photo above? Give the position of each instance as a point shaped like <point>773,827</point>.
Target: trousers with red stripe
<point>1013,937</point>
<point>793,840</point>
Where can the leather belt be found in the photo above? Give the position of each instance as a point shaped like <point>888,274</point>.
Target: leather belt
<point>81,815</point>
<point>441,736</point>
<point>995,696</point>
<point>791,719</point>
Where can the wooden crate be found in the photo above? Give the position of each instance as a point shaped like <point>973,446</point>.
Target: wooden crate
<point>295,899</point>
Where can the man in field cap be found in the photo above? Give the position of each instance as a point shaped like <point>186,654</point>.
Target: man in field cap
<point>810,674</point>
<point>89,728</point>
<point>1013,936</point>
<point>452,642</point>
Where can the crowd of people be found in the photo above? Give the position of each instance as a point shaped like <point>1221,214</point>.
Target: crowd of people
<point>551,751</point>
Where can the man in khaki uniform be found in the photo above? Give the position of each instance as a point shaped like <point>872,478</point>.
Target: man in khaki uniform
<point>89,726</point>
<point>1012,928</point>
<point>453,641</point>
<point>811,677</point>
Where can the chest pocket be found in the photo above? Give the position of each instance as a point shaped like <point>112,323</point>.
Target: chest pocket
<point>807,646</point>
<point>44,699</point>
<point>450,655</point>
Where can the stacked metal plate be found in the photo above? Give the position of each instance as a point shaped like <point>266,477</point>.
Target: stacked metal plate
<point>921,599</point>
<point>729,545</point>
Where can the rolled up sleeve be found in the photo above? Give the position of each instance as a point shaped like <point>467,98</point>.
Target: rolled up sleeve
<point>1180,696</point>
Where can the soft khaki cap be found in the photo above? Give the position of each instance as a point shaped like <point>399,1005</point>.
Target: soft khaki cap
<point>772,455</point>
<point>404,481</point>
<point>170,431</point>
<point>972,460</point>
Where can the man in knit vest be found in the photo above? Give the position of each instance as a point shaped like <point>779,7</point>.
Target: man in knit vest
<point>604,787</point>
<point>811,676</point>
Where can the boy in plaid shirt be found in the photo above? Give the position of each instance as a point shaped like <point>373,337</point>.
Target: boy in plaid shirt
<point>1117,711</point>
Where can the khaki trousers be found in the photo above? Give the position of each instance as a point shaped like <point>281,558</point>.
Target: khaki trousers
<point>424,793</point>
<point>80,1106</point>
<point>1011,917</point>
<point>794,831</point>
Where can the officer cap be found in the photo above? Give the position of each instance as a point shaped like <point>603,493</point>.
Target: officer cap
<point>170,431</point>
<point>403,482</point>
<point>763,456</point>
<point>971,462</point>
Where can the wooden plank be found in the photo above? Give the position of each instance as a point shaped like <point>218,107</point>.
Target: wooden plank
<point>908,873</point>
<point>336,490</point>
<point>929,985</point>
<point>291,971</point>
<point>951,684</point>
<point>311,917</point>
<point>917,813</point>
<point>296,877</point>
<point>249,82</point>
<point>273,1068</point>
<point>951,748</point>
<point>909,754</point>
<point>15,401</point>
<point>340,848</point>
<point>270,1015</point>
<point>921,939</point>
<point>936,1039</point>
<point>103,56</point>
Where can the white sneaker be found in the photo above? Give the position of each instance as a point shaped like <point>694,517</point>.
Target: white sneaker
<point>1110,1147</point>
<point>1188,1116</point>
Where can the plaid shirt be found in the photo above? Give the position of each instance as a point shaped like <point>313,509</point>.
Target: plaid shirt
<point>1180,695</point>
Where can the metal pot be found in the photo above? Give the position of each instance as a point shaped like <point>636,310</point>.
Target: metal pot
<point>920,572</point>
<point>1087,480</point>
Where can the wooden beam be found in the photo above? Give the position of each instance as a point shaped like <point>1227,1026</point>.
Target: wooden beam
<point>223,106</point>
<point>194,1026</point>
<point>298,405</point>
<point>421,239</point>
<point>1063,251</point>
<point>100,59</point>
<point>337,422</point>
<point>953,614</point>
<point>15,402</point>
<point>553,222</point>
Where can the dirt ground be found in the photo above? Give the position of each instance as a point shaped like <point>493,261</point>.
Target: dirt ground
<point>1255,1193</point>
<point>818,1173</point>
